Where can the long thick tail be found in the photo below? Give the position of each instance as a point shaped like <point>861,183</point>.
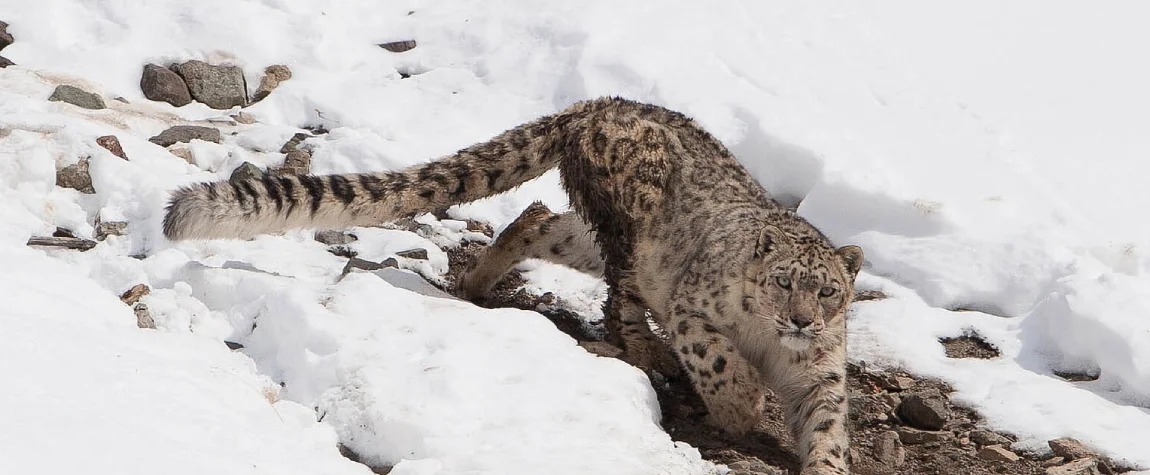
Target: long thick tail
<point>277,203</point>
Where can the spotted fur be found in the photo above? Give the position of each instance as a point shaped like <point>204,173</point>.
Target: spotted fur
<point>749,292</point>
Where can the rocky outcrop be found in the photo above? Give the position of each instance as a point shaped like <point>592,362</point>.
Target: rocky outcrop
<point>218,86</point>
<point>162,84</point>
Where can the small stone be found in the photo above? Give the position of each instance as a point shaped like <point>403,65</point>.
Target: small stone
<point>985,437</point>
<point>910,436</point>
<point>923,413</point>
<point>110,228</point>
<point>246,171</point>
<point>1052,461</point>
<point>77,97</point>
<point>233,345</point>
<point>1069,448</point>
<point>5,62</point>
<point>63,233</point>
<point>218,86</point>
<point>134,294</point>
<point>753,466</point>
<point>1086,466</point>
<point>891,382</point>
<point>5,37</point>
<point>162,84</point>
<point>357,263</point>
<point>184,153</point>
<point>420,254</point>
<point>865,295</point>
<point>186,133</point>
<point>143,316</point>
<point>889,450</point>
<point>76,177</point>
<point>997,453</point>
<point>390,262</point>
<point>333,237</point>
<point>293,142</point>
<point>297,162</point>
<point>601,348</point>
<point>244,118</point>
<point>398,46</point>
<point>112,144</point>
<point>273,76</point>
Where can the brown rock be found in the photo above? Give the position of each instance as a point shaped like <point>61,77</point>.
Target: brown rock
<point>112,144</point>
<point>273,76</point>
<point>64,242</point>
<point>333,237</point>
<point>601,348</point>
<point>297,162</point>
<point>162,84</point>
<point>244,118</point>
<point>143,316</point>
<point>5,62</point>
<point>110,228</point>
<point>293,142</point>
<point>246,171</point>
<point>928,413</point>
<point>889,450</point>
<point>910,436</point>
<point>218,86</point>
<point>134,294</point>
<point>1086,466</point>
<point>5,37</point>
<point>1069,448</point>
<point>985,437</point>
<point>997,453</point>
<point>76,177</point>
<point>398,46</point>
<point>186,133</point>
<point>184,153</point>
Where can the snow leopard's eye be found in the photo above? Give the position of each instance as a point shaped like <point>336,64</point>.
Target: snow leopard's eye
<point>783,281</point>
<point>827,291</point>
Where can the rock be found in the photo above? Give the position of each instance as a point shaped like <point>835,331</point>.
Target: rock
<point>134,294</point>
<point>186,133</point>
<point>997,453</point>
<point>143,316</point>
<point>77,97</point>
<point>753,466</point>
<point>601,348</point>
<point>357,263</point>
<point>5,62</point>
<point>892,382</point>
<point>110,228</point>
<point>64,242</point>
<point>865,295</point>
<point>1069,448</point>
<point>390,262</point>
<point>334,238</point>
<point>5,37</point>
<point>184,153</point>
<point>1086,466</point>
<point>218,86</point>
<point>246,171</point>
<point>398,46</point>
<point>985,437</point>
<point>923,413</point>
<point>1050,462</point>
<point>910,436</point>
<point>244,118</point>
<point>112,144</point>
<point>889,450</point>
<point>233,345</point>
<point>297,162</point>
<point>293,142</point>
<point>162,84</point>
<point>273,76</point>
<point>63,232</point>
<point>76,177</point>
<point>420,254</point>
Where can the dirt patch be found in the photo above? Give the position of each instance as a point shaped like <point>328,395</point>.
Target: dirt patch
<point>970,345</point>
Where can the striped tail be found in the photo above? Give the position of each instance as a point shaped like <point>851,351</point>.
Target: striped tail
<point>273,204</point>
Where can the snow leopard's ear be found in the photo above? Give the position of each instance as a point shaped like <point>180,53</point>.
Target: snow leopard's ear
<point>771,238</point>
<point>852,257</point>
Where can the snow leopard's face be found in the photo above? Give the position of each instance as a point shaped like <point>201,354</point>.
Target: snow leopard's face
<point>803,287</point>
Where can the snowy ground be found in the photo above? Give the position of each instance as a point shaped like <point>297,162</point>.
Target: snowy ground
<point>987,157</point>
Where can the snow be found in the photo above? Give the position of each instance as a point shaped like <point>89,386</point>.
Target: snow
<point>988,157</point>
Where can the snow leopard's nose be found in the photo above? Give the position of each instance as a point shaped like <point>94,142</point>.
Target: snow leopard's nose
<point>802,321</point>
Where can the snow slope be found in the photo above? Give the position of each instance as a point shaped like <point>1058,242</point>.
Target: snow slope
<point>987,157</point>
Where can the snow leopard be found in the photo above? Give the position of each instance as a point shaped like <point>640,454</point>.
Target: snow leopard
<point>750,295</point>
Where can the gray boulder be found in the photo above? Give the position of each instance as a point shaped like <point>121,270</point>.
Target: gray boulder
<point>218,86</point>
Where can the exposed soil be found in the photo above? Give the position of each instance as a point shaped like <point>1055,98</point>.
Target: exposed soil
<point>970,345</point>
